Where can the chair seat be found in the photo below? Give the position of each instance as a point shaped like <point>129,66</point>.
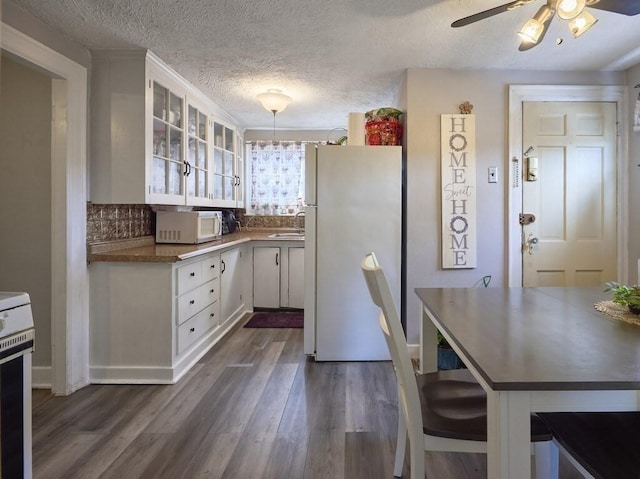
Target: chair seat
<point>454,406</point>
<point>604,443</point>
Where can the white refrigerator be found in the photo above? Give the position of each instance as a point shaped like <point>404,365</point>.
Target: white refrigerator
<point>353,207</point>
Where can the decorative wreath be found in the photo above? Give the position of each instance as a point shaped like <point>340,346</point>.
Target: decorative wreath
<point>453,137</point>
<point>453,228</point>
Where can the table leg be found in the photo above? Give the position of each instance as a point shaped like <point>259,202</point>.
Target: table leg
<point>508,435</point>
<point>428,345</point>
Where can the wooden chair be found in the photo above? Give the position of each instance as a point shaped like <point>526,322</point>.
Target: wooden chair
<point>441,411</point>
<point>601,445</point>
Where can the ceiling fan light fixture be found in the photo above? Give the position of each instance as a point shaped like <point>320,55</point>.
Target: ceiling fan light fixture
<point>274,100</point>
<point>533,29</point>
<point>581,23</point>
<point>568,9</point>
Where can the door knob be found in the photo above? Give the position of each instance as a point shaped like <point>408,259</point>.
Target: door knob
<point>532,244</point>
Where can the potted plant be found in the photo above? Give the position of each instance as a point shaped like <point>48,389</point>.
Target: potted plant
<point>447,357</point>
<point>628,296</point>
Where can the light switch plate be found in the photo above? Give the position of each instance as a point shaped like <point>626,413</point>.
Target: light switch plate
<point>493,174</point>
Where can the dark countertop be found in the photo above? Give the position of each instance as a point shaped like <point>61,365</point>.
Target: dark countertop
<point>145,250</point>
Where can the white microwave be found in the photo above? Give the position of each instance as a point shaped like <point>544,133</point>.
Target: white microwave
<point>188,227</point>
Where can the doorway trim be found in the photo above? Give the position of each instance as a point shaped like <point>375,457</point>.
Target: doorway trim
<point>70,282</point>
<point>579,93</point>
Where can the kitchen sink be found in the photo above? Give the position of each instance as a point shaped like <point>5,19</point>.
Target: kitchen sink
<point>287,235</point>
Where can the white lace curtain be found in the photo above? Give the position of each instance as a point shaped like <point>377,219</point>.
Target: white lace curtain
<point>277,176</point>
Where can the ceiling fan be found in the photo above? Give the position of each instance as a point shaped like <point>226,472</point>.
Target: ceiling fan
<point>579,19</point>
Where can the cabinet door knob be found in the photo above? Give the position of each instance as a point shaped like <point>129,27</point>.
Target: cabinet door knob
<point>212,315</point>
<point>192,274</point>
<point>193,301</point>
<point>192,330</point>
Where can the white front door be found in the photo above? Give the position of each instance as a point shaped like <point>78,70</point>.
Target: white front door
<point>571,191</point>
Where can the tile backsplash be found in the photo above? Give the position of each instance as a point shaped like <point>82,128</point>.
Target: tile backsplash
<point>259,221</point>
<point>117,222</point>
<point>107,222</point>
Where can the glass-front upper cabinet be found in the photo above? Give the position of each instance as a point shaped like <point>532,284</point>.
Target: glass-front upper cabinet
<point>240,173</point>
<point>224,165</point>
<point>198,163</point>
<point>167,164</point>
<point>153,136</point>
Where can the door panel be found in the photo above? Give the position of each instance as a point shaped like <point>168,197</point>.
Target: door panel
<point>573,196</point>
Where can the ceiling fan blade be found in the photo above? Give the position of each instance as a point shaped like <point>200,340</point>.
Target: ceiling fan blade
<point>624,7</point>
<point>524,46</point>
<point>489,13</point>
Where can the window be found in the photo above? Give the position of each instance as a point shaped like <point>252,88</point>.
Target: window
<point>276,177</point>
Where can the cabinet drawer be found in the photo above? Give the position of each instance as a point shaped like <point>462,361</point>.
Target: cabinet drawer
<point>194,328</point>
<point>195,300</point>
<point>189,277</point>
<point>211,268</point>
<point>210,291</point>
<point>188,305</point>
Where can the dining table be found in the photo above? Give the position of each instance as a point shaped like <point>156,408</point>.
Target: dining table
<point>533,349</point>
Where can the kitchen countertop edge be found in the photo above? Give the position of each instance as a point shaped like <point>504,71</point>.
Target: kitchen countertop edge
<point>145,250</point>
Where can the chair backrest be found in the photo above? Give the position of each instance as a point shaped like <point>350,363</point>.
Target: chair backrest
<point>394,335</point>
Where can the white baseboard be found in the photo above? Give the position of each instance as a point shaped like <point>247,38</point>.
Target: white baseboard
<point>167,374</point>
<point>41,377</point>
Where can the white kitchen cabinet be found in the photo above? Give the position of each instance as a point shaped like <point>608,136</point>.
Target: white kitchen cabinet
<point>151,322</point>
<point>231,284</point>
<point>266,277</point>
<point>198,186</point>
<point>168,164</point>
<point>296,278</point>
<point>151,133</point>
<point>228,166</point>
<point>240,169</point>
<point>198,310</point>
<point>278,276</point>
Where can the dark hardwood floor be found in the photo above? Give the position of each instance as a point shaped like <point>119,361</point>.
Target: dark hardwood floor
<point>254,407</point>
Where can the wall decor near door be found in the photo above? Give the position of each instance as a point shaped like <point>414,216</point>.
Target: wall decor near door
<point>458,183</point>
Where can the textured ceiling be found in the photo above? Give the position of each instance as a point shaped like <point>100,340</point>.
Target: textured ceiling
<point>332,56</point>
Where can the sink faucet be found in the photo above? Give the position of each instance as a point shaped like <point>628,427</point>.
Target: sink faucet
<point>296,221</point>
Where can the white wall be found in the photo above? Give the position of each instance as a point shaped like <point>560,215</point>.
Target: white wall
<point>430,93</point>
<point>25,194</point>
<point>633,79</point>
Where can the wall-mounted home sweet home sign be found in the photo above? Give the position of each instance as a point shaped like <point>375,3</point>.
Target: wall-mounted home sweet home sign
<point>458,174</point>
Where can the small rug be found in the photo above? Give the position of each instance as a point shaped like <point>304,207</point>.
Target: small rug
<point>276,319</point>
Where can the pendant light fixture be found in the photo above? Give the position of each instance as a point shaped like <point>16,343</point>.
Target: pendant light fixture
<point>274,101</point>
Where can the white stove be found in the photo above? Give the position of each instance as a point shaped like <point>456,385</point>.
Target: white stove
<point>16,345</point>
